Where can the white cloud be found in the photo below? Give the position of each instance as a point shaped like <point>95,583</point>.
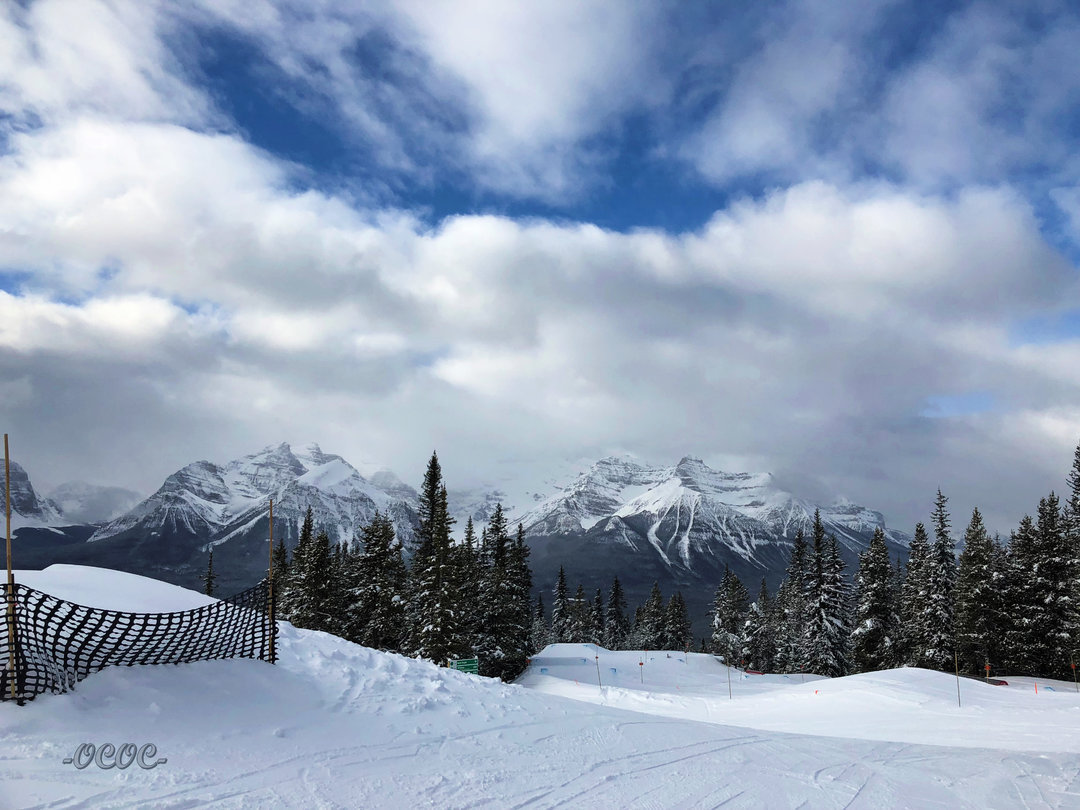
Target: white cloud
<point>180,290</point>
<point>59,56</point>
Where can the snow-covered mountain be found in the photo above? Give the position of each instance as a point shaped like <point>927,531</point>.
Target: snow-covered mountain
<point>226,506</point>
<point>690,510</point>
<point>678,525</point>
<point>28,509</point>
<point>681,526</point>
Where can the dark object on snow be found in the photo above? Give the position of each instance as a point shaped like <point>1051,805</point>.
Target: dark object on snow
<point>58,643</point>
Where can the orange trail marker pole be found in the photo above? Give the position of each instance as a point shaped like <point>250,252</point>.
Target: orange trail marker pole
<point>726,664</point>
<point>1077,685</point>
<point>988,674</point>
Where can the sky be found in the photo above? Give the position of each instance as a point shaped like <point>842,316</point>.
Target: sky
<point>836,240</point>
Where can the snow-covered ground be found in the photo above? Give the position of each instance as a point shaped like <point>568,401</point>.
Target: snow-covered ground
<point>336,725</point>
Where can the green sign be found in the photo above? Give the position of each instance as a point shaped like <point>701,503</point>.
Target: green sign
<point>466,665</point>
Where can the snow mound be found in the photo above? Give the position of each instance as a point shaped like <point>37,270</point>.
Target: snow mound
<point>338,725</point>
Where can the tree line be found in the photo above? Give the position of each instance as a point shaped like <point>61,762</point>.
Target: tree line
<point>454,600</point>
<point>1014,605</point>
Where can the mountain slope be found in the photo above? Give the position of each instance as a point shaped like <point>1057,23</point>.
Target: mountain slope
<point>334,724</point>
<point>679,525</point>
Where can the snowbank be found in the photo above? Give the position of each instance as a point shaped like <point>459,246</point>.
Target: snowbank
<point>337,725</point>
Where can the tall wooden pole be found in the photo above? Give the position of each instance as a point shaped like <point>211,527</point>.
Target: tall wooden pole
<point>12,642</point>
<point>270,585</point>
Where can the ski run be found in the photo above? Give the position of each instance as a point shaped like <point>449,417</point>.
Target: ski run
<point>339,725</point>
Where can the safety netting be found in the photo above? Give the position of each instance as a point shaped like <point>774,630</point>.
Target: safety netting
<point>48,644</point>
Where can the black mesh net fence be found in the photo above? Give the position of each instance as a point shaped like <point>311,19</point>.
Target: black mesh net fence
<point>49,644</point>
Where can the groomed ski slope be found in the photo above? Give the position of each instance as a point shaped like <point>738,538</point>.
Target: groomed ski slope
<point>337,725</point>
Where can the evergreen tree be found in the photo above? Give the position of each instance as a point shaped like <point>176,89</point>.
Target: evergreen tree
<point>469,572</point>
<point>494,596</point>
<point>519,608</point>
<point>616,623</point>
<point>1072,503</point>
<point>827,628</point>
<point>677,623</point>
<point>978,601</point>
<point>297,569</point>
<point>580,617</point>
<point>560,611</point>
<point>636,638</point>
<point>506,617</point>
<point>938,605</point>
<point>874,632</point>
<point>281,569</point>
<point>791,610</point>
<point>1022,635</point>
<point>598,618</point>
<point>729,614</point>
<point>650,625</point>
<point>540,633</point>
<point>313,585</point>
<point>433,618</point>
<point>209,577</point>
<point>914,599</point>
<point>338,592</point>
<point>1054,583</point>
<point>377,578</point>
<point>759,633</point>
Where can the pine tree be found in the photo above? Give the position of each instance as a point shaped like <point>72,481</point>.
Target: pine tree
<point>913,599</point>
<point>938,617</point>
<point>312,580</point>
<point>540,633</point>
<point>1022,635</point>
<point>560,611</point>
<point>506,616</point>
<point>209,577</point>
<point>791,610</point>
<point>469,571</point>
<point>677,623</point>
<point>376,616</point>
<point>297,568</point>
<point>598,618</point>
<point>338,592</point>
<point>759,634</point>
<point>1054,590</point>
<point>519,610</point>
<point>281,568</point>
<point>1072,503</point>
<point>580,613</point>
<point>874,632</point>
<point>650,625</point>
<point>616,623</point>
<point>827,628</point>
<point>729,614</point>
<point>978,601</point>
<point>434,620</point>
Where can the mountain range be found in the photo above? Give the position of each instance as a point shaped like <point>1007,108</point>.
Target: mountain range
<point>678,525</point>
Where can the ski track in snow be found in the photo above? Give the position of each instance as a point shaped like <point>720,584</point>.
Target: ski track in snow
<point>335,725</point>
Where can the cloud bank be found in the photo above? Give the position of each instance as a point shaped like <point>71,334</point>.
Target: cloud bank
<point>895,206</point>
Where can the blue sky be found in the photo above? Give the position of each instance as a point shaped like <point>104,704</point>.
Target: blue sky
<point>834,240</point>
